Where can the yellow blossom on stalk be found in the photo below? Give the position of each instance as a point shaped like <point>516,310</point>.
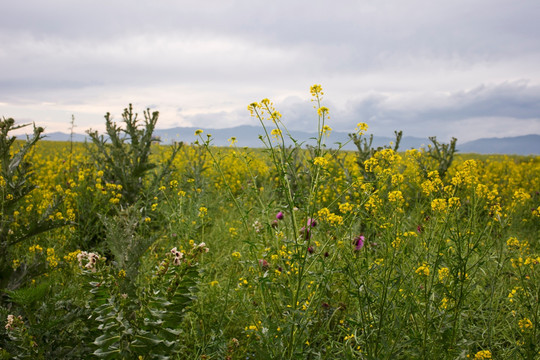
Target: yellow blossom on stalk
<point>253,107</point>
<point>482,355</point>
<point>397,242</point>
<point>345,208</point>
<point>512,243</point>
<point>444,303</point>
<point>35,248</point>
<point>320,161</point>
<point>276,133</point>
<point>326,130</point>
<point>520,196</point>
<point>72,256</point>
<point>51,258</point>
<point>423,269</point>
<point>276,115</point>
<point>454,202</point>
<point>316,90</point>
<point>202,212</point>
<point>396,197</point>
<point>438,205</point>
<point>322,111</point>
<point>198,132</point>
<point>232,141</point>
<point>236,255</point>
<point>513,293</point>
<point>525,324</point>
<point>443,273</point>
<point>122,274</point>
<point>481,190</point>
<point>361,128</point>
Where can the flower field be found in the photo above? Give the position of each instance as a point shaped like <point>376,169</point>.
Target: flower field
<point>126,249</point>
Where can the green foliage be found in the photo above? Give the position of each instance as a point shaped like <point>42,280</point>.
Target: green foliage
<point>126,159</point>
<point>441,153</point>
<point>146,323</point>
<point>315,254</point>
<point>15,187</point>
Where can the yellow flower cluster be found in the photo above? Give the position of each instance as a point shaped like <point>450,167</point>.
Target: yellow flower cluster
<point>423,269</point>
<point>325,215</point>
<point>320,161</point>
<point>439,205</point>
<point>52,259</point>
<point>482,355</point>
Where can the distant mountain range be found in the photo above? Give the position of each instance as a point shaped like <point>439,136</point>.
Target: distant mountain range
<point>248,136</point>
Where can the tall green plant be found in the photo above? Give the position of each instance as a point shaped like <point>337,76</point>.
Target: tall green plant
<point>15,187</point>
<point>124,154</point>
<point>124,158</point>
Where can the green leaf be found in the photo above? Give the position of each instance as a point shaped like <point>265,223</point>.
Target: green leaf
<point>106,340</point>
<point>148,338</point>
<point>106,354</point>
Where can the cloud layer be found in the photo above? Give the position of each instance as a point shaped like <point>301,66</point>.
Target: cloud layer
<point>462,68</point>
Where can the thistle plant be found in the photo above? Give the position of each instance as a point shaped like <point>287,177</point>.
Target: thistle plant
<point>147,322</point>
<point>366,150</point>
<point>124,155</point>
<point>123,159</point>
<point>16,186</point>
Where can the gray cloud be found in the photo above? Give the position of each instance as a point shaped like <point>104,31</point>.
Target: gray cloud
<point>422,65</point>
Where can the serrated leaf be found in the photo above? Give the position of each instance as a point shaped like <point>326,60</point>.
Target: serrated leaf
<point>106,354</point>
<point>149,338</point>
<point>106,340</point>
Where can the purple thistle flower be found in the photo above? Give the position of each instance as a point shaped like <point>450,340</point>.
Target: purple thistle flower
<point>359,242</point>
<point>312,222</point>
<point>279,216</point>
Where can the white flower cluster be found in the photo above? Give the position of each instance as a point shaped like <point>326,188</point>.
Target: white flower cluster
<point>258,226</point>
<point>91,258</point>
<point>13,321</point>
<point>202,247</point>
<point>178,255</point>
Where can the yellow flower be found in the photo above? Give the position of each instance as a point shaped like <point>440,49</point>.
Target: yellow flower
<point>438,205</point>
<point>202,212</point>
<point>482,355</point>
<point>198,132</point>
<point>443,273</point>
<point>423,269</point>
<point>320,161</point>
<point>525,324</point>
<point>361,127</point>
<point>326,130</point>
<point>322,111</point>
<point>276,133</point>
<point>316,90</point>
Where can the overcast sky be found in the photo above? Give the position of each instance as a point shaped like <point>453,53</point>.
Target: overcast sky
<point>463,68</point>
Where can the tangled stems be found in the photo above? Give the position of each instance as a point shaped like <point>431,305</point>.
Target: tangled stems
<point>206,144</point>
